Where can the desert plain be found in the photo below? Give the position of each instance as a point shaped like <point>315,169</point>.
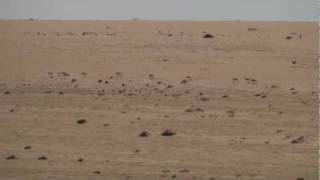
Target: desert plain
<point>158,100</point>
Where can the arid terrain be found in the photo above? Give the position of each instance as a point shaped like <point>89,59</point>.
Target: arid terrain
<point>156,100</point>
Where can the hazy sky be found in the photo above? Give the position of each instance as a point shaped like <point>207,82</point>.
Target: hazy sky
<point>292,10</point>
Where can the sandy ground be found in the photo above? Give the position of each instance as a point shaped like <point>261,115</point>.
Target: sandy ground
<point>147,100</point>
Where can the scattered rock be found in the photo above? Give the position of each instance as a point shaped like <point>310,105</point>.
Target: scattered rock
<point>253,29</point>
<point>194,110</point>
<point>185,171</point>
<point>166,171</point>
<point>80,160</point>
<point>251,81</point>
<point>7,92</point>
<point>27,147</point>
<point>294,92</point>
<point>100,92</point>
<point>204,99</point>
<point>11,157</point>
<point>106,125</point>
<point>65,74</point>
<point>70,34</point>
<point>298,140</point>
<point>289,37</point>
<point>168,133</point>
<point>230,113</point>
<point>144,134</point>
<point>42,158</point>
<point>208,36</point>
<point>118,73</point>
<point>184,81</point>
<point>82,121</point>
<point>89,33</point>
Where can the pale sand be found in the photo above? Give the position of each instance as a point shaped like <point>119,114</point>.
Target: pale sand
<point>250,93</point>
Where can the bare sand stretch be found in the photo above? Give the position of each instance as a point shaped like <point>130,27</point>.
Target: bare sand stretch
<point>146,100</point>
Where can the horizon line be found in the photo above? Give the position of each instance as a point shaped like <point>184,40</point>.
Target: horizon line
<point>159,20</point>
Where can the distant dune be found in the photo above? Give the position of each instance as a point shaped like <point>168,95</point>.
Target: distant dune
<point>147,100</point>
